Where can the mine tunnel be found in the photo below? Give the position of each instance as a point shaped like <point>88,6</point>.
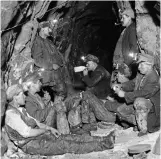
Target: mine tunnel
<point>77,29</point>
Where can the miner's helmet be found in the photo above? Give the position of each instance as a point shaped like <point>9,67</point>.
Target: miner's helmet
<point>128,12</point>
<point>32,77</point>
<point>45,24</point>
<point>93,58</point>
<point>13,91</point>
<point>146,58</point>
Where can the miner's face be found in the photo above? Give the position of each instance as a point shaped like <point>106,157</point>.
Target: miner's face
<point>35,87</point>
<point>125,20</point>
<point>144,67</point>
<point>46,31</point>
<point>20,98</point>
<point>90,65</point>
<point>121,78</point>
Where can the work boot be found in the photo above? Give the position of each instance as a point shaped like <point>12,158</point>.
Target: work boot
<point>125,125</point>
<point>141,117</point>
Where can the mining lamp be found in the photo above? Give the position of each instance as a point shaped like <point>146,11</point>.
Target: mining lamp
<point>133,55</point>
<point>83,58</point>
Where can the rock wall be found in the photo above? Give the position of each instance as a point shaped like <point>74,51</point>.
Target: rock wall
<point>147,26</point>
<point>148,30</point>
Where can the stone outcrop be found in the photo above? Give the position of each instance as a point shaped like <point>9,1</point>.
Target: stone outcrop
<point>148,30</point>
<point>147,26</point>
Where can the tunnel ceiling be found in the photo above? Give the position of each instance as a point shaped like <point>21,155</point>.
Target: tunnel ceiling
<point>88,25</point>
<point>95,30</point>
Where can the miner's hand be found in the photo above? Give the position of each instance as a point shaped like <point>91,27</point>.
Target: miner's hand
<point>116,87</point>
<point>47,96</point>
<point>110,98</point>
<point>85,72</point>
<point>121,93</point>
<point>55,132</point>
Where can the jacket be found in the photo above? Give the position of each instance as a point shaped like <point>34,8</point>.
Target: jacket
<point>147,87</point>
<point>45,53</point>
<point>98,82</point>
<point>35,110</point>
<point>142,86</point>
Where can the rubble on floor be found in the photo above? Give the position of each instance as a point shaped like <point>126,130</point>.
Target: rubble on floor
<point>124,139</point>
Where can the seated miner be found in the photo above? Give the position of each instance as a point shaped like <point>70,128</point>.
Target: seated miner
<point>48,60</point>
<point>138,93</point>
<point>105,111</point>
<point>97,81</point>
<point>123,74</point>
<point>96,77</point>
<point>36,107</point>
<point>35,138</point>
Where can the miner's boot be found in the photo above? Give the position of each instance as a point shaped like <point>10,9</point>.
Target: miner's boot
<point>126,113</point>
<point>129,120</point>
<point>141,117</point>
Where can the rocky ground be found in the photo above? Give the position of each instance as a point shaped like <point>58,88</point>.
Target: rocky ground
<point>124,139</point>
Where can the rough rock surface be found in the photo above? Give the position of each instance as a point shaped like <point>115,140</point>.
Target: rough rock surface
<point>147,29</point>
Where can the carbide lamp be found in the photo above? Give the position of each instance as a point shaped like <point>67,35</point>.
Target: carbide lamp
<point>133,55</point>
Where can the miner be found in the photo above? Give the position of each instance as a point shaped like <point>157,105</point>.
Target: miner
<point>127,42</point>
<point>35,138</point>
<point>37,107</point>
<point>48,60</point>
<point>96,77</point>
<point>140,93</point>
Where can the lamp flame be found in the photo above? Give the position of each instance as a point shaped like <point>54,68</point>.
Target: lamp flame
<point>131,54</point>
<point>54,20</point>
<point>83,58</point>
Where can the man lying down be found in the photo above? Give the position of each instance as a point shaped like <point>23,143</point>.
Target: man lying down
<point>36,138</point>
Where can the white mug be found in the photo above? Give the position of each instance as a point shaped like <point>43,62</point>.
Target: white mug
<point>79,68</point>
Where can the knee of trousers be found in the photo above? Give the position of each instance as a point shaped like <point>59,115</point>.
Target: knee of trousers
<point>142,104</point>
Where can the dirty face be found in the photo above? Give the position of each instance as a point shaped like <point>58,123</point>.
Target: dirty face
<point>122,78</point>
<point>35,87</point>
<point>20,98</point>
<point>125,20</point>
<point>46,31</point>
<point>144,67</point>
<point>90,65</point>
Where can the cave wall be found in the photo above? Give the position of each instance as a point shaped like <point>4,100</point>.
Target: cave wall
<point>18,33</point>
<point>73,27</point>
<point>148,29</point>
<point>147,26</point>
